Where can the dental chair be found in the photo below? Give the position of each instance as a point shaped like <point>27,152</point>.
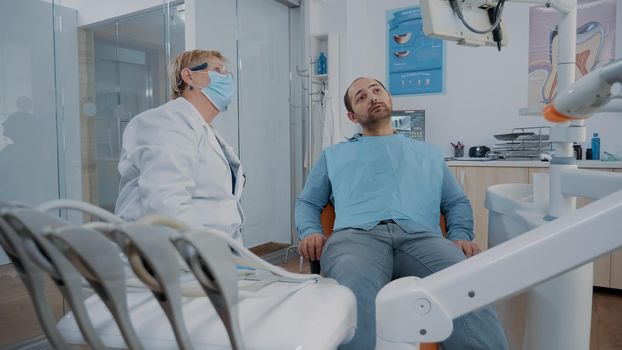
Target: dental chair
<point>161,285</point>
<point>327,218</point>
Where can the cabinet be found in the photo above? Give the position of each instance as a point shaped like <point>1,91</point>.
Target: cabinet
<point>616,264</point>
<point>453,171</point>
<point>474,181</point>
<point>602,265</point>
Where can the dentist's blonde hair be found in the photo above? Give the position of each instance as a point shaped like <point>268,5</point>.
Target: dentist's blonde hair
<point>187,59</point>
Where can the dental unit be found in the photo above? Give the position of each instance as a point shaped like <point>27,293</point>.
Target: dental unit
<point>174,269</point>
<point>560,299</point>
<point>99,262</point>
<point>35,257</point>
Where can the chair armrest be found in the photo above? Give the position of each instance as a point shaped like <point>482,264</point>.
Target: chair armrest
<point>314,267</point>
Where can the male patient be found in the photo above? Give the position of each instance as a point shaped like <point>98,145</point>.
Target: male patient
<point>388,192</point>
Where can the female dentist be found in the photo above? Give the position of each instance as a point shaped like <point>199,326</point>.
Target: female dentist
<point>173,162</point>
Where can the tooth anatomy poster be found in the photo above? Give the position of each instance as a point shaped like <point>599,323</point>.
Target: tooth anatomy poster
<point>415,61</point>
<point>596,29</point>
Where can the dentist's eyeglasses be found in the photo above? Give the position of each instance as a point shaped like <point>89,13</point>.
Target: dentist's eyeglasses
<point>193,69</point>
<point>199,67</point>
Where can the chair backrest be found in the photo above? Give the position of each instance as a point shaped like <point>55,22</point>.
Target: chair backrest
<point>327,218</point>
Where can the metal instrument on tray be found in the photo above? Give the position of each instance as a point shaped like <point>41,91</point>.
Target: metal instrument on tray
<point>522,144</point>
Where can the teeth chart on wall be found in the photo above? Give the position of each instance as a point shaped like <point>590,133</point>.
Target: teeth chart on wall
<point>415,62</point>
<point>596,28</point>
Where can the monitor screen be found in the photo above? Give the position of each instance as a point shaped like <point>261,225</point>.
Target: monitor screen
<point>410,123</point>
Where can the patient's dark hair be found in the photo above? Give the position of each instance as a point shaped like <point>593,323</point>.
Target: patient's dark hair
<point>346,98</point>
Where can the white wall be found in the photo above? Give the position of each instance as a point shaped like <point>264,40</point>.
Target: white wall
<point>329,16</point>
<point>201,19</point>
<point>484,88</point>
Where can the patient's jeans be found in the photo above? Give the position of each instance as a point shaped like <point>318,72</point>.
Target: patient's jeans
<point>365,261</point>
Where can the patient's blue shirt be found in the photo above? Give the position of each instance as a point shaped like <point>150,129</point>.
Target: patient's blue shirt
<point>376,178</point>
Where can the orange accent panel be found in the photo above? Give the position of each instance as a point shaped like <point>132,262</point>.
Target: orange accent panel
<point>553,115</point>
<point>428,346</point>
<point>327,218</point>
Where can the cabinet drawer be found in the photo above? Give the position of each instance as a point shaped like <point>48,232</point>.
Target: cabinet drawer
<point>475,181</point>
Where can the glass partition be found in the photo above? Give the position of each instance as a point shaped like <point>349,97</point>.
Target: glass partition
<point>125,67</point>
<point>29,152</point>
<point>39,132</point>
<point>65,95</point>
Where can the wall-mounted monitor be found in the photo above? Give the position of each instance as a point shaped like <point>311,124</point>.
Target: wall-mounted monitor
<point>410,123</point>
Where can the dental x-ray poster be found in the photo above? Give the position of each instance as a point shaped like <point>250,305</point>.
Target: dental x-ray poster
<point>415,61</point>
<point>596,30</point>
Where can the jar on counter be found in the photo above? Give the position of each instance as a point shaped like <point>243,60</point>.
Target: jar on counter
<point>578,152</point>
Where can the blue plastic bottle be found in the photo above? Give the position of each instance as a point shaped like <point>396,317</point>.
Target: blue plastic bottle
<point>321,64</point>
<point>595,146</point>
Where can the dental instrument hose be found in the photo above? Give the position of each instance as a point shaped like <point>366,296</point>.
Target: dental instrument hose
<point>498,11</point>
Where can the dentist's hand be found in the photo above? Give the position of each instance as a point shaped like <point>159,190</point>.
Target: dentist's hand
<point>311,246</point>
<point>468,248</point>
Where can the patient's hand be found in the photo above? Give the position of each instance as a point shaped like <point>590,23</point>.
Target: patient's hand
<point>311,246</point>
<point>469,248</point>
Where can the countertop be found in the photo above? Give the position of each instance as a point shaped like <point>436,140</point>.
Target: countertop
<point>531,163</point>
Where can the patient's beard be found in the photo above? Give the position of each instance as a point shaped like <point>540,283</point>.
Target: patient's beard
<point>377,115</point>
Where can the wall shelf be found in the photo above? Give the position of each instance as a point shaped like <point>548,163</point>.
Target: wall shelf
<point>323,92</point>
<point>320,76</point>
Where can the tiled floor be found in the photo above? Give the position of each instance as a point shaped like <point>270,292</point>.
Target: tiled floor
<point>606,319</point>
<point>16,310</point>
<point>606,313</point>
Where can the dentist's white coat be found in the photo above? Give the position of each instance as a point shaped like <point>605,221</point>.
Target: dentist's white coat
<point>175,164</point>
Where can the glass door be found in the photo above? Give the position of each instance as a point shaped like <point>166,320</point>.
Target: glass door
<point>28,121</point>
<point>39,134</point>
<point>125,67</point>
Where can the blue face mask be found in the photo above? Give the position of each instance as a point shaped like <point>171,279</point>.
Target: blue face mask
<point>220,89</point>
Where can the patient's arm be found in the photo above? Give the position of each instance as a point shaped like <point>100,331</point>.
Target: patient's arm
<point>468,248</point>
<point>309,206</point>
<point>311,246</point>
<point>312,200</point>
<point>457,209</point>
